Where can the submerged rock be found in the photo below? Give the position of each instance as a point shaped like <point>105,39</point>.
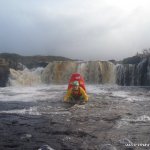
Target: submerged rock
<point>26,136</point>
<point>45,147</point>
<point>125,141</point>
<point>108,147</point>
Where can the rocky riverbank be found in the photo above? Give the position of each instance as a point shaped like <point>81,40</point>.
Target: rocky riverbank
<point>4,74</point>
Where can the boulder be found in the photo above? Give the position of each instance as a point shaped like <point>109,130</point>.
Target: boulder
<point>4,74</point>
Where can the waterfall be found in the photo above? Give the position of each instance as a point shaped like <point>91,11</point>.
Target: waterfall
<point>125,74</point>
<point>133,74</point>
<point>92,71</point>
<point>107,70</point>
<point>58,71</point>
<point>26,77</point>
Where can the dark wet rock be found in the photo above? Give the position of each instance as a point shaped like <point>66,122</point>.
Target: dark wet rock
<point>130,148</point>
<point>125,141</point>
<point>132,60</point>
<point>45,147</point>
<point>108,147</point>
<point>113,117</point>
<point>26,136</point>
<point>4,73</point>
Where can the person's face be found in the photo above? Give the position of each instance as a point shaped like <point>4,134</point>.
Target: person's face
<point>76,87</point>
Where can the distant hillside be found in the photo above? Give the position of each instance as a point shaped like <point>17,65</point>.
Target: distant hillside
<point>132,60</point>
<point>145,53</point>
<point>29,61</point>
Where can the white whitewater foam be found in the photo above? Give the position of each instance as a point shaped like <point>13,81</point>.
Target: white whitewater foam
<point>32,94</point>
<point>126,121</point>
<point>53,92</point>
<point>115,91</point>
<point>30,111</point>
<point>26,94</point>
<point>47,92</point>
<point>122,123</point>
<point>144,118</point>
<point>122,94</point>
<point>97,89</point>
<point>25,77</point>
<point>58,113</point>
<point>34,111</point>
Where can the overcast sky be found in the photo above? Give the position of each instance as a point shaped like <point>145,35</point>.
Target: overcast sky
<point>81,29</point>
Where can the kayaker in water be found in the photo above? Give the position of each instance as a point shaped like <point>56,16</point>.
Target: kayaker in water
<point>76,92</point>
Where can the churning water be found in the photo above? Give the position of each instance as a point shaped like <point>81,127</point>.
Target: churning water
<point>32,113</point>
<point>41,99</point>
<point>27,92</point>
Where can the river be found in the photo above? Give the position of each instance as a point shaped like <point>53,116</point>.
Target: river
<point>34,117</point>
